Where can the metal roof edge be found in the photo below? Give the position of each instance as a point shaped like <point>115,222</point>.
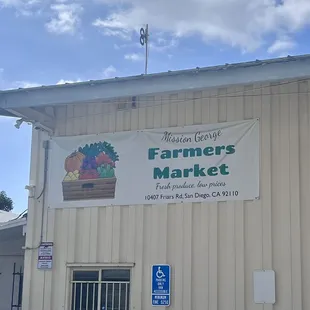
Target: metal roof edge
<point>226,66</point>
<point>13,223</point>
<point>216,76</point>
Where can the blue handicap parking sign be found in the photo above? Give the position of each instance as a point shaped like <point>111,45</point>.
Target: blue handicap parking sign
<point>161,285</point>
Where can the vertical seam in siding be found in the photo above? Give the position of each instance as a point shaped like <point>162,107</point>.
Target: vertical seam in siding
<point>290,206</point>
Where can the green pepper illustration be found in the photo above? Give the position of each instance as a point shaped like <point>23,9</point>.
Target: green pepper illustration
<point>106,171</point>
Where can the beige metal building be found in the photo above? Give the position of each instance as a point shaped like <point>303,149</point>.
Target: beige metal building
<point>214,248</point>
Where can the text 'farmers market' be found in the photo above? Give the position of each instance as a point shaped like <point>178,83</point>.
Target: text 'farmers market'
<point>196,170</point>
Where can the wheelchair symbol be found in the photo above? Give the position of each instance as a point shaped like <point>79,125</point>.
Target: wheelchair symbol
<point>159,273</point>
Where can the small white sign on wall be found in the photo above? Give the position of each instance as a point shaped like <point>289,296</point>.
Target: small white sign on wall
<point>45,255</point>
<point>264,287</point>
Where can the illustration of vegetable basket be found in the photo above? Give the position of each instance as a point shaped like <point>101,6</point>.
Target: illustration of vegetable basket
<point>90,173</point>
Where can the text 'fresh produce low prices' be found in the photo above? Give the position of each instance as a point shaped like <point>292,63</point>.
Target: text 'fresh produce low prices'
<point>215,162</point>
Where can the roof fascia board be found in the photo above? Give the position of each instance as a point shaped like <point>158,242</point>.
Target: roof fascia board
<point>158,83</point>
<point>6,113</point>
<point>37,115</point>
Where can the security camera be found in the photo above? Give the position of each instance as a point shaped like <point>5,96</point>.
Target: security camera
<point>39,126</point>
<point>19,123</point>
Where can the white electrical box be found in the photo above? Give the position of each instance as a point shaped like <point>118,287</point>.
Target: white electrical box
<point>264,287</point>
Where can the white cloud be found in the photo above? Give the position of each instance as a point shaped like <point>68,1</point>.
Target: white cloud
<point>281,45</point>
<point>23,7</point>
<point>25,84</point>
<point>161,44</point>
<point>62,81</point>
<point>134,57</point>
<point>7,85</point>
<point>116,46</point>
<point>109,72</point>
<point>242,23</point>
<point>66,18</point>
<point>9,3</point>
<point>127,45</point>
<point>17,3</point>
<point>112,28</point>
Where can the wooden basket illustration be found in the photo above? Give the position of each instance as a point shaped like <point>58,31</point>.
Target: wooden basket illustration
<point>90,173</point>
<point>89,189</point>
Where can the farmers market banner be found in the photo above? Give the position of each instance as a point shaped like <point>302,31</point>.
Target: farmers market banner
<point>202,163</point>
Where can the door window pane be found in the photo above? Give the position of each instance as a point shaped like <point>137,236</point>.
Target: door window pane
<point>81,275</point>
<point>116,275</point>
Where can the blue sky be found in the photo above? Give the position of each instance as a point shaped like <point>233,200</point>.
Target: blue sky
<point>47,42</point>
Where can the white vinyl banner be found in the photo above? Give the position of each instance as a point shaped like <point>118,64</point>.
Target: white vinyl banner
<point>201,163</point>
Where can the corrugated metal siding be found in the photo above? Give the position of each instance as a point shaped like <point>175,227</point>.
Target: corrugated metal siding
<point>213,248</point>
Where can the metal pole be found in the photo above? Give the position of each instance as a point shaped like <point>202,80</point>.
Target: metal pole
<point>146,46</point>
<point>13,286</point>
<point>20,288</point>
